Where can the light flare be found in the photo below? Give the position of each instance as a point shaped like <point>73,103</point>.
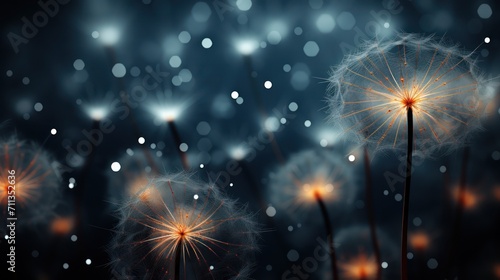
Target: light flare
<point>420,241</point>
<point>468,199</point>
<point>359,268</point>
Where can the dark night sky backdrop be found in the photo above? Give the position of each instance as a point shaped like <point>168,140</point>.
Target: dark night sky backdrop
<point>149,37</point>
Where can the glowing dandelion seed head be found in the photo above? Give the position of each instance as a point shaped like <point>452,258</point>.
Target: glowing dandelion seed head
<point>97,113</point>
<point>355,237</point>
<point>210,237</point>
<point>468,199</point>
<point>373,90</point>
<point>247,46</point>
<point>310,175</point>
<point>133,177</point>
<point>318,189</point>
<point>167,114</point>
<point>419,241</point>
<point>36,181</point>
<point>109,36</point>
<point>239,152</point>
<point>360,267</point>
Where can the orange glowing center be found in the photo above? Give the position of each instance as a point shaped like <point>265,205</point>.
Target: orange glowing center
<point>318,189</point>
<point>497,271</point>
<point>182,233</point>
<point>410,99</point>
<point>62,226</point>
<point>467,198</point>
<point>316,193</point>
<point>419,241</point>
<point>409,102</point>
<point>359,268</point>
<point>496,193</point>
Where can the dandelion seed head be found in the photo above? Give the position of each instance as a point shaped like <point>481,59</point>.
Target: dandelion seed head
<point>419,240</point>
<point>310,175</point>
<point>355,237</point>
<point>62,225</point>
<point>359,267</point>
<point>372,91</point>
<point>216,238</point>
<point>468,199</point>
<point>36,181</point>
<point>133,176</point>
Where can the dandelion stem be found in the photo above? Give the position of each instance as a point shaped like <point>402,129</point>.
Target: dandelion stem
<point>81,193</point>
<point>260,106</point>
<point>406,196</point>
<point>453,256</point>
<point>177,268</point>
<point>371,213</point>
<point>329,235</point>
<point>125,96</point>
<point>178,142</point>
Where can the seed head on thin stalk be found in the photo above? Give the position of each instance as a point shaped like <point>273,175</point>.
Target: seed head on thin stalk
<point>36,181</point>
<point>308,175</point>
<point>186,230</point>
<point>412,80</point>
<point>373,89</point>
<point>134,175</point>
<point>312,178</point>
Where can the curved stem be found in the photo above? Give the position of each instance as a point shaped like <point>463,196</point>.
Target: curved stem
<point>329,236</point>
<point>371,213</point>
<point>406,197</point>
<point>177,273</point>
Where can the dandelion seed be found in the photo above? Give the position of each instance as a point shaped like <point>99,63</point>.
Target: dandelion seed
<point>312,178</point>
<point>309,174</point>
<point>175,236</point>
<point>35,178</point>
<point>373,90</point>
<point>410,90</point>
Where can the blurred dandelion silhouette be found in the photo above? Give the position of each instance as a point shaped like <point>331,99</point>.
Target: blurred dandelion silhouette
<point>61,226</point>
<point>35,184</point>
<point>496,270</point>
<point>168,108</point>
<point>185,229</point>
<point>361,267</point>
<point>381,93</point>
<point>357,238</point>
<point>308,175</point>
<point>419,241</point>
<point>467,199</point>
<point>351,239</point>
<point>135,173</point>
<point>313,178</point>
<point>496,193</point>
